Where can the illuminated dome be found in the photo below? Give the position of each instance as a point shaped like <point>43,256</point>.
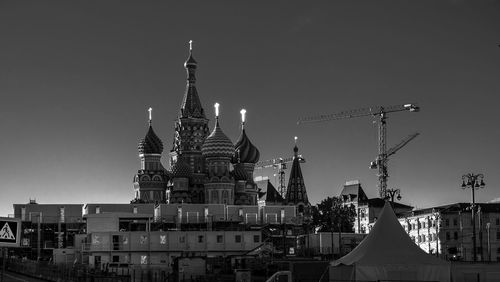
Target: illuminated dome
<point>217,144</point>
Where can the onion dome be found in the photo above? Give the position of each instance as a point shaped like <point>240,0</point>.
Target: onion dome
<point>217,144</point>
<point>181,169</point>
<point>151,143</point>
<point>245,151</point>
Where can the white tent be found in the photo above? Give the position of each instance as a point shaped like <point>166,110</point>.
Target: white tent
<point>388,253</point>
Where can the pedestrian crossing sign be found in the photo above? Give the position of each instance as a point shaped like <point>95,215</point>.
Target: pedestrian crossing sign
<point>10,232</point>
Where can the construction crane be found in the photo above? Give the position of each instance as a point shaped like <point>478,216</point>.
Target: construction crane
<point>280,165</point>
<point>383,153</point>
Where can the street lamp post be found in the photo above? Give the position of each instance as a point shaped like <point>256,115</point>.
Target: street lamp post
<point>473,181</point>
<point>391,193</point>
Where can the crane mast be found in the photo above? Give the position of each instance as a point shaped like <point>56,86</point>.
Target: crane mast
<point>381,113</point>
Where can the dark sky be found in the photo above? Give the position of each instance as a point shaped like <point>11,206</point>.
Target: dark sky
<point>77,77</point>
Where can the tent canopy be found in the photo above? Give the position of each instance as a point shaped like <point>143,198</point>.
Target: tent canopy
<point>388,249</point>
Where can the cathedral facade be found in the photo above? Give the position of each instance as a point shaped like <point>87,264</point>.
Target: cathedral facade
<point>206,167</point>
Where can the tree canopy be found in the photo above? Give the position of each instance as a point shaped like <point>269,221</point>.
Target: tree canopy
<point>331,214</point>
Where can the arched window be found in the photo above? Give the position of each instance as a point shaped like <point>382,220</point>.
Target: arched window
<point>225,197</point>
<point>215,197</point>
<point>301,208</point>
<point>156,178</point>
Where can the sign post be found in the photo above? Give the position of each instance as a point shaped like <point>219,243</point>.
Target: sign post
<point>10,236</point>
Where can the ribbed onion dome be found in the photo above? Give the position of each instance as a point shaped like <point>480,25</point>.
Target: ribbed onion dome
<point>217,144</point>
<point>151,143</point>
<point>245,151</point>
<point>181,170</point>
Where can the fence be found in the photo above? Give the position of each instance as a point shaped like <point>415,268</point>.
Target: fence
<point>51,272</point>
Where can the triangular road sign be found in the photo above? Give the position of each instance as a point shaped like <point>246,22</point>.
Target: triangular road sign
<point>6,232</point>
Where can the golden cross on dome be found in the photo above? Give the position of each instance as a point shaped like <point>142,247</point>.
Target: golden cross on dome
<point>243,112</point>
<point>150,110</point>
<point>216,105</point>
<point>190,45</point>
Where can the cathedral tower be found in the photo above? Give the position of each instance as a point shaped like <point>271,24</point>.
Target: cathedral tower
<point>296,193</point>
<point>150,182</point>
<point>244,159</point>
<point>217,151</point>
<point>191,126</point>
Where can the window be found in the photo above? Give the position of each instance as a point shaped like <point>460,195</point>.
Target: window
<point>498,235</point>
<point>447,236</point>
<point>447,222</point>
<point>144,259</point>
<point>144,239</point>
<point>423,238</point>
<point>237,238</point>
<point>163,239</point>
<point>455,222</point>
<point>116,258</point>
<point>497,221</point>
<point>256,238</point>
<point>200,238</point>
<point>97,209</point>
<point>61,214</point>
<point>182,239</point>
<point>455,235</point>
<point>220,239</point>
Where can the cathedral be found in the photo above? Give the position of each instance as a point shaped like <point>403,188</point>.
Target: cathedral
<point>206,167</point>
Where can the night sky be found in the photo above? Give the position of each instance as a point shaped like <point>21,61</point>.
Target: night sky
<point>77,78</point>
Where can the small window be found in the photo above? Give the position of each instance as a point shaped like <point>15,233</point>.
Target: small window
<point>144,259</point>
<point>455,235</point>
<point>116,258</point>
<point>447,235</point>
<point>144,239</point>
<point>220,238</point>
<point>163,239</point>
<point>498,235</point>
<point>182,239</point>
<point>237,238</point>
<point>497,221</point>
<point>256,238</point>
<point>455,222</point>
<point>447,222</point>
<point>200,239</point>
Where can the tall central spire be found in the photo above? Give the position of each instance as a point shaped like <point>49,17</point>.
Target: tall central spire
<point>191,105</point>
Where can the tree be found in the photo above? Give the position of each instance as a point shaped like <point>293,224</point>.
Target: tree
<point>331,214</point>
